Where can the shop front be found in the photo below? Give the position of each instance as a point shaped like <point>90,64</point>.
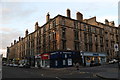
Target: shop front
<point>45,60</point>
<point>37,60</point>
<point>92,58</point>
<point>62,59</point>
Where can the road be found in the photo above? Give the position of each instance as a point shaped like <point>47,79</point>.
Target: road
<point>57,74</point>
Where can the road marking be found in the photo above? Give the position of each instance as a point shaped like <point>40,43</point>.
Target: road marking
<point>58,78</point>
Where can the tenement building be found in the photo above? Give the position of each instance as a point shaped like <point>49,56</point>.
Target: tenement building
<point>63,42</point>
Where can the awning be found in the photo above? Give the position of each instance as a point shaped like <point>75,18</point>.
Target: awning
<point>94,54</point>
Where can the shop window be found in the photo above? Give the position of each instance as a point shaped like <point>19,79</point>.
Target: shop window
<point>64,63</point>
<point>56,63</point>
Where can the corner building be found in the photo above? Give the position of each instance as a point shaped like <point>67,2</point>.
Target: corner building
<point>63,42</point>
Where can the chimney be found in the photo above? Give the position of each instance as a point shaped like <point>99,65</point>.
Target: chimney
<point>106,22</point>
<point>26,32</point>
<point>112,23</point>
<point>36,26</point>
<point>79,16</point>
<point>47,17</point>
<point>11,44</point>
<point>68,13</point>
<point>19,38</point>
<point>14,41</point>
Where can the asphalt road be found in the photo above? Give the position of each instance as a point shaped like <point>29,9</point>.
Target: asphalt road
<point>57,74</point>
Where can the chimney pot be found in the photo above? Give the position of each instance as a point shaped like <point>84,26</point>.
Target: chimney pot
<point>36,26</point>
<point>47,17</point>
<point>79,16</point>
<point>68,13</point>
<point>106,22</point>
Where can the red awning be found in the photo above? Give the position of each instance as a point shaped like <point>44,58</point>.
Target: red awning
<point>45,56</point>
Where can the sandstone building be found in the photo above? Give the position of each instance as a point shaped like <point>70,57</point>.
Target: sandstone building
<point>64,34</point>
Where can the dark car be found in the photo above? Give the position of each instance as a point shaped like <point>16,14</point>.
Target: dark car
<point>26,66</point>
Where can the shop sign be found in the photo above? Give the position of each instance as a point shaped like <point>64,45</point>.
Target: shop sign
<point>95,54</point>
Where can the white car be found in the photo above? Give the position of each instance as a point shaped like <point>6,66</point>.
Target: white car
<point>21,66</point>
<point>113,61</point>
<point>15,65</point>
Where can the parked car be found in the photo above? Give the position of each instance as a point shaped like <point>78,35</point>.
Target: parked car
<point>21,66</point>
<point>15,65</point>
<point>4,64</point>
<point>26,66</point>
<point>11,65</point>
<point>113,61</point>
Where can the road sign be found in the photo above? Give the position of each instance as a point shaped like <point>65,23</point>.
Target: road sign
<point>116,47</point>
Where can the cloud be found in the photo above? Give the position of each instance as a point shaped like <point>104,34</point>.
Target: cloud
<point>8,36</point>
<point>12,12</point>
<point>3,51</point>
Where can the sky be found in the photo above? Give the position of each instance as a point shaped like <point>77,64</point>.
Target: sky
<point>18,15</point>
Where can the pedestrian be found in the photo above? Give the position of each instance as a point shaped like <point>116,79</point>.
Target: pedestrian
<point>77,66</point>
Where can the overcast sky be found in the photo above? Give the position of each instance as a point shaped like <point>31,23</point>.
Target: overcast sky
<point>18,15</point>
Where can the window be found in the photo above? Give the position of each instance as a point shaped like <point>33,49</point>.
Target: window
<point>64,44</point>
<point>90,47</point>
<point>101,31</point>
<point>101,40</point>
<point>76,35</point>
<point>90,38</point>
<point>64,63</point>
<point>89,28</point>
<point>85,27</point>
<point>106,43</point>
<point>76,25</point>
<point>95,38</point>
<point>85,37</point>
<point>62,21</point>
<point>76,45</point>
<point>54,23</point>
<point>63,33</point>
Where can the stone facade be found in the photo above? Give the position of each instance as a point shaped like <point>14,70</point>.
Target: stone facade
<point>63,33</point>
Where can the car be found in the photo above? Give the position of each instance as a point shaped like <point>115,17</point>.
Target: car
<point>11,65</point>
<point>15,65</point>
<point>26,66</point>
<point>113,61</point>
<point>21,66</point>
<point>4,64</point>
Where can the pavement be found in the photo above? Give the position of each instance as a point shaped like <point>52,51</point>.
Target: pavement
<point>111,74</point>
<point>108,73</point>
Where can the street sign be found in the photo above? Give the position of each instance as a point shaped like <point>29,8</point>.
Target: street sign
<point>116,47</point>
